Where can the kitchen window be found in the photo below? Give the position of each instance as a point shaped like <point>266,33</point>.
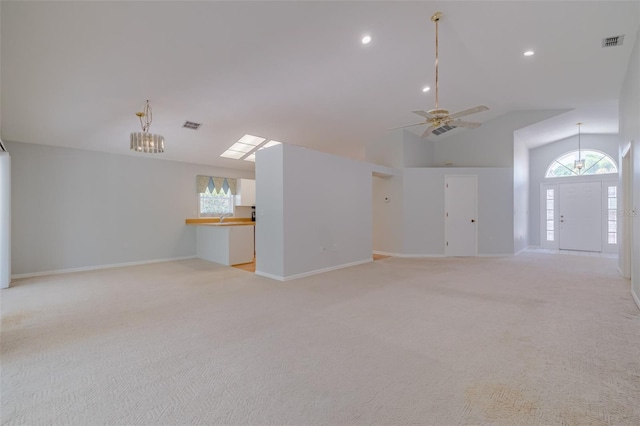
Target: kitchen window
<point>215,203</point>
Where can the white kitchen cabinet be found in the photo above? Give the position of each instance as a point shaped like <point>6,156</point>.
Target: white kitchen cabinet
<point>246,192</point>
<point>227,245</point>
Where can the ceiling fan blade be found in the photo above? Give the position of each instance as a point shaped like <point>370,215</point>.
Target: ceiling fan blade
<point>467,124</point>
<point>424,114</point>
<point>428,131</point>
<point>469,111</point>
<point>408,125</point>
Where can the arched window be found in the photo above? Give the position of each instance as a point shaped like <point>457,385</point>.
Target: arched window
<point>595,163</point>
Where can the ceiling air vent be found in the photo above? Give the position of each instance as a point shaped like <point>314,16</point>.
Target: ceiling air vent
<point>443,129</point>
<point>191,125</point>
<point>613,41</point>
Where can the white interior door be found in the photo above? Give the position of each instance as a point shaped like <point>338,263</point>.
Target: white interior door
<point>580,215</point>
<point>461,201</point>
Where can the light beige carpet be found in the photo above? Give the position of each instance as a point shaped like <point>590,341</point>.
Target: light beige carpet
<point>533,339</point>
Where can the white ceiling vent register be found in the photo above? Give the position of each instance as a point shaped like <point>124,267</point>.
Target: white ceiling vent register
<point>443,129</point>
<point>613,41</point>
<point>191,125</point>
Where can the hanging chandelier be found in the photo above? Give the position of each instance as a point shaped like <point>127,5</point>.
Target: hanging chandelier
<point>145,141</point>
<point>579,163</point>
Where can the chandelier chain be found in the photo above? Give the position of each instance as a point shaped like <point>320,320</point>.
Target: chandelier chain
<point>146,116</point>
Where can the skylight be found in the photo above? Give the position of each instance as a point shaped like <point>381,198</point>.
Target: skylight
<point>271,143</point>
<point>252,140</point>
<point>242,147</point>
<point>233,154</point>
<point>247,146</point>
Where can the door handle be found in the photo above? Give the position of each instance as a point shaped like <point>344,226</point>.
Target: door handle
<point>473,220</point>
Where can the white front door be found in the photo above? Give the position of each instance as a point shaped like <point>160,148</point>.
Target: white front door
<point>461,215</point>
<point>580,214</point>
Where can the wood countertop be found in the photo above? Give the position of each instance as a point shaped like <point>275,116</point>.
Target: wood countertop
<point>215,221</point>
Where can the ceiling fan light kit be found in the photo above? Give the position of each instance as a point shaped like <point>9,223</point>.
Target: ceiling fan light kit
<point>438,119</point>
<point>144,141</point>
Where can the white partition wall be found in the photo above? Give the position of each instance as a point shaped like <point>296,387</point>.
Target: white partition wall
<point>313,212</point>
<point>270,212</point>
<point>5,219</point>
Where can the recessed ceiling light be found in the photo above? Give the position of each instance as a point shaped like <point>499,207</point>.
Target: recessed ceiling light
<point>251,157</point>
<point>425,89</point>
<point>528,53</point>
<point>366,39</point>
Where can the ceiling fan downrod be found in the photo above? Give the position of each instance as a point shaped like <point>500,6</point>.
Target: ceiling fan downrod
<point>435,18</point>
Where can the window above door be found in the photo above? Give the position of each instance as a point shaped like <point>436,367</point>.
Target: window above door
<point>595,163</point>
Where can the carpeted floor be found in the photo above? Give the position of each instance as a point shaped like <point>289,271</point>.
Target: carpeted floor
<point>531,339</point>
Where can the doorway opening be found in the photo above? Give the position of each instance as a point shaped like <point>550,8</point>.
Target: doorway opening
<point>579,216</point>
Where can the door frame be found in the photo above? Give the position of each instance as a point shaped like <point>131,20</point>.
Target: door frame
<point>624,209</point>
<point>553,183</point>
<point>475,214</point>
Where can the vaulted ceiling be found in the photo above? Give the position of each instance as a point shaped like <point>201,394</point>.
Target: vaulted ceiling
<point>74,73</point>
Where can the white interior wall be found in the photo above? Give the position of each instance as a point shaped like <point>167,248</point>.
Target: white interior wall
<point>541,157</point>
<point>629,113</point>
<point>400,148</point>
<point>490,145</point>
<point>416,152</point>
<point>270,212</point>
<point>328,210</point>
<point>5,219</point>
<point>386,150</point>
<point>80,209</point>
<point>415,213</point>
<point>520,195</point>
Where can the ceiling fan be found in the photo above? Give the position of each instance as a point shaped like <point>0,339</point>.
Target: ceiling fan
<point>438,118</point>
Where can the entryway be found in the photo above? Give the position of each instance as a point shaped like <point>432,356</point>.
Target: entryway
<point>580,208</point>
<point>579,216</point>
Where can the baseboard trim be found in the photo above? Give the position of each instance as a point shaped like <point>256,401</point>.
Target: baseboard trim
<point>520,251</point>
<point>635,297</point>
<point>426,256</point>
<point>315,272</point>
<point>384,253</point>
<point>270,276</point>
<point>94,268</point>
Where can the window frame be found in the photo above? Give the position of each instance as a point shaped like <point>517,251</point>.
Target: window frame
<point>554,164</point>
<point>230,196</point>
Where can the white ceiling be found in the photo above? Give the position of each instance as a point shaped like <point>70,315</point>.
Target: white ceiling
<point>75,73</point>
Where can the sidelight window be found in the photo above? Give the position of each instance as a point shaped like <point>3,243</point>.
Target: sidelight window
<point>550,215</point>
<point>612,219</point>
